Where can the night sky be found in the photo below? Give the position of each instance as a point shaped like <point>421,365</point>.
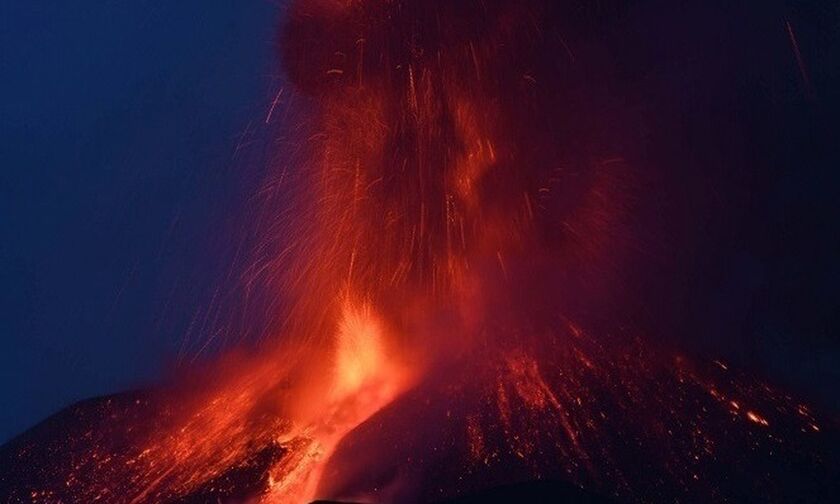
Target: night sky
<point>119,135</point>
<point>129,143</point>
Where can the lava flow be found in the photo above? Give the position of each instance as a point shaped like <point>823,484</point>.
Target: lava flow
<point>443,278</point>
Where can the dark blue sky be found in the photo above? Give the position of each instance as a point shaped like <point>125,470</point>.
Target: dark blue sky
<point>120,122</point>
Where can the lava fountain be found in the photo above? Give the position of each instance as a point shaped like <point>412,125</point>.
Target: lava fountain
<point>447,269</point>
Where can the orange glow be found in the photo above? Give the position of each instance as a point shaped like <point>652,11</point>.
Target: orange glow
<point>364,378</point>
<point>359,354</point>
<point>756,418</point>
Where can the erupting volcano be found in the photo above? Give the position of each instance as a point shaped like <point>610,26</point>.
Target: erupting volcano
<point>447,303</point>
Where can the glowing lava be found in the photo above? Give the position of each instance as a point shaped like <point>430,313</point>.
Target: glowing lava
<point>365,377</point>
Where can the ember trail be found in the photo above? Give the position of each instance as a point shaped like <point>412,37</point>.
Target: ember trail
<point>447,323</point>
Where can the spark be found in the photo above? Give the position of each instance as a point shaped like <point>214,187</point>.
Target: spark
<point>273,105</point>
<point>803,72</point>
<point>756,418</point>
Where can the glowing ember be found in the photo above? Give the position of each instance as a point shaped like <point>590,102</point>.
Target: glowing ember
<point>755,417</point>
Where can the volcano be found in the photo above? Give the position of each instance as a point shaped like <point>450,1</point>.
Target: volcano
<point>505,430</point>
<point>446,279</point>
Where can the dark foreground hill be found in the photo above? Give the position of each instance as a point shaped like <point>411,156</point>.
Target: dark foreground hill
<point>674,435</point>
